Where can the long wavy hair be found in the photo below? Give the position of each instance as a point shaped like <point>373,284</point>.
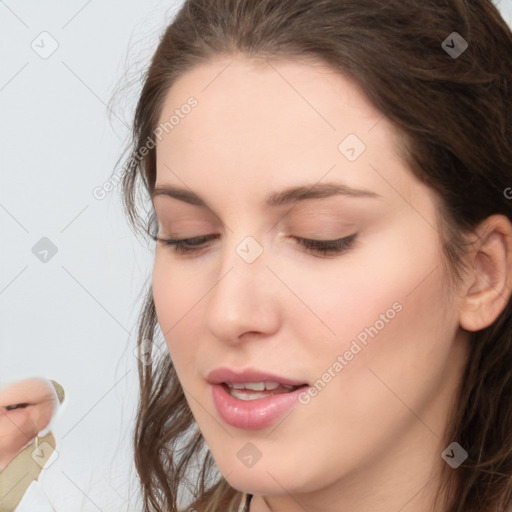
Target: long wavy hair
<point>455,116</point>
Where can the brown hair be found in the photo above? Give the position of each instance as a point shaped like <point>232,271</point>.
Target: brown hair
<point>455,117</point>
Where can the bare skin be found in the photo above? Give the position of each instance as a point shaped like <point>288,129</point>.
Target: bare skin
<point>26,408</point>
<point>372,438</point>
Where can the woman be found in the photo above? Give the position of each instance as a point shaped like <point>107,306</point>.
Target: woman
<point>330,195</point>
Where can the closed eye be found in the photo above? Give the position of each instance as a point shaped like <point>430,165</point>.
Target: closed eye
<point>190,246</point>
<point>16,406</point>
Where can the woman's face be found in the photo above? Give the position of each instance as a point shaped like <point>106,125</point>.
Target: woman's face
<point>373,328</point>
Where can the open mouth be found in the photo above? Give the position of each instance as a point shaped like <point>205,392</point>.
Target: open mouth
<point>255,390</point>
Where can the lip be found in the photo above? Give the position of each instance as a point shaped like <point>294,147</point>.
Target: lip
<point>220,375</point>
<point>251,414</point>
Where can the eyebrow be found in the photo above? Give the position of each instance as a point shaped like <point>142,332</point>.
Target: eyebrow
<point>288,196</point>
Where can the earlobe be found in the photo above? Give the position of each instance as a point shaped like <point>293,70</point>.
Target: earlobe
<point>489,282</point>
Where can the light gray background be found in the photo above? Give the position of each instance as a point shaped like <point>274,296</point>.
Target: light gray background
<point>73,317</point>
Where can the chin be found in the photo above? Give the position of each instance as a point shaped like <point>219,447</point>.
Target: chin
<point>259,480</point>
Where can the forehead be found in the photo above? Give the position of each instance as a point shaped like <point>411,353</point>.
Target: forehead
<point>260,123</point>
<point>251,91</point>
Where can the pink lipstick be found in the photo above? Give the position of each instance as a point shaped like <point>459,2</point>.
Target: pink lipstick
<point>252,399</point>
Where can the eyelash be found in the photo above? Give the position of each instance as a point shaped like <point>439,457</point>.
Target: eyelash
<point>324,247</point>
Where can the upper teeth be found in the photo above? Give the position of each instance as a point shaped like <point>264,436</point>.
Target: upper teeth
<point>256,386</point>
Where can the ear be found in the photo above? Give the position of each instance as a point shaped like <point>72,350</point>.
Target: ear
<point>488,284</point>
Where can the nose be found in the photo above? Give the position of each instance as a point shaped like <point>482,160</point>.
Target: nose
<point>243,302</point>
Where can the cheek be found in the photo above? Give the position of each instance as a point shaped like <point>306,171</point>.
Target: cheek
<point>393,270</point>
<point>394,322</point>
<point>387,307</point>
<point>177,298</point>
<point>15,424</point>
